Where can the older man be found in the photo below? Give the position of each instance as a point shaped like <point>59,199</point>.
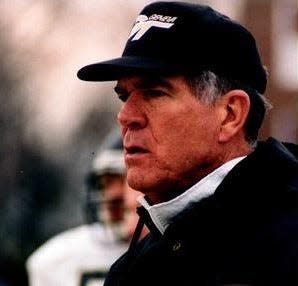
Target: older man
<point>220,206</point>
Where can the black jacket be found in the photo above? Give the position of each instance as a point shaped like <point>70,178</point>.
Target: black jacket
<point>244,234</point>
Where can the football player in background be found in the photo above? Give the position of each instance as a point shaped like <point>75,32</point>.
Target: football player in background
<point>81,256</point>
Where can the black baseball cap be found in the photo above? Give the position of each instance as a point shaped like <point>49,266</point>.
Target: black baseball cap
<point>184,38</point>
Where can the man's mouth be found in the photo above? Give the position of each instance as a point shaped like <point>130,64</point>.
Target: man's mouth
<point>135,150</point>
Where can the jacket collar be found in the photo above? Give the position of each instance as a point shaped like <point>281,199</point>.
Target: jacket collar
<point>259,186</point>
<point>160,215</point>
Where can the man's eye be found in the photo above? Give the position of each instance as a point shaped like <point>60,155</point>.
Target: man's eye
<point>154,93</point>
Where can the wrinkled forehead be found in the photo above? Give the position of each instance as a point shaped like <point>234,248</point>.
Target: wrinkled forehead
<point>149,81</point>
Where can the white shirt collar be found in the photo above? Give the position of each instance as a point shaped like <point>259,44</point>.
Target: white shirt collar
<point>162,213</point>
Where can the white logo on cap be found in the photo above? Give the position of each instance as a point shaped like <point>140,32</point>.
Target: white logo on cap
<point>143,24</point>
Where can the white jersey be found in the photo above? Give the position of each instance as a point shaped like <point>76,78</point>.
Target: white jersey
<point>77,257</point>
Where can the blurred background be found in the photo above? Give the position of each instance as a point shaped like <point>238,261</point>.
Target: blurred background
<point>51,123</point>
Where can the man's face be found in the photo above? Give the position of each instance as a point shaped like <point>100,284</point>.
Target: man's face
<point>170,136</point>
<point>112,201</point>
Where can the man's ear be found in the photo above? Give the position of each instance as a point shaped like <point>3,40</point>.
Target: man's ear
<point>234,106</point>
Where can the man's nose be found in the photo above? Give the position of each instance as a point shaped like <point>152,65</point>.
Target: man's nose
<point>131,115</point>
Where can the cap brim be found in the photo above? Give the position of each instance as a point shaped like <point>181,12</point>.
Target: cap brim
<point>122,67</point>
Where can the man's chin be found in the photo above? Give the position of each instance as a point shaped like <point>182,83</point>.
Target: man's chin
<point>139,180</point>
